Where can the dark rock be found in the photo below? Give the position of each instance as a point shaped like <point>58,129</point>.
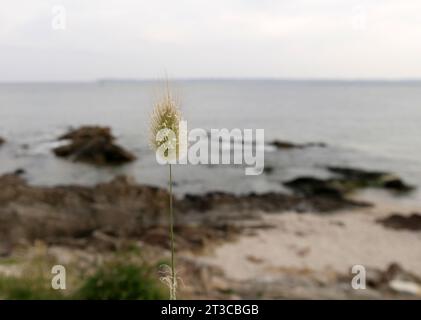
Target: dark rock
<point>324,194</point>
<point>400,222</point>
<point>268,170</point>
<point>383,279</point>
<point>104,214</point>
<point>357,174</point>
<point>19,171</point>
<point>358,178</point>
<point>397,184</point>
<point>290,145</point>
<point>309,186</point>
<point>94,145</point>
<point>87,133</point>
<point>2,141</point>
<point>267,202</point>
<point>284,144</point>
<point>349,181</point>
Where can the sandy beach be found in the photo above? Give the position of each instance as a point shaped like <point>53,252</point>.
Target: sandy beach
<point>319,243</point>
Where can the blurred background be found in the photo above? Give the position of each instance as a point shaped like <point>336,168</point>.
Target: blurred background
<point>334,86</point>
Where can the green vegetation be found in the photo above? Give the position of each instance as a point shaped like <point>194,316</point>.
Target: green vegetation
<point>113,280</point>
<point>119,281</point>
<point>14,288</point>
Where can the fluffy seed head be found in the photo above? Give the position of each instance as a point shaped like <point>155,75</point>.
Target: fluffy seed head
<point>166,116</point>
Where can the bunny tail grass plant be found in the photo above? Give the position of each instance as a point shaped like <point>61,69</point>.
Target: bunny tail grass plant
<point>165,141</point>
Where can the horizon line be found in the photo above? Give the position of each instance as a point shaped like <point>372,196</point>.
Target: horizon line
<point>181,79</point>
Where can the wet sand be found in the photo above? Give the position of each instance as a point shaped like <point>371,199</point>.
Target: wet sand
<point>314,246</point>
<point>319,243</point>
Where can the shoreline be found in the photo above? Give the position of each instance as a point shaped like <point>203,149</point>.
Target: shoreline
<point>319,243</point>
<point>235,245</point>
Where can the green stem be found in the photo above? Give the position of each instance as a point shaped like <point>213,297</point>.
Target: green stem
<point>173,276</point>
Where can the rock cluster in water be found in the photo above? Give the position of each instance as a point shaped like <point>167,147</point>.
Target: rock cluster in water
<point>346,181</point>
<point>93,145</point>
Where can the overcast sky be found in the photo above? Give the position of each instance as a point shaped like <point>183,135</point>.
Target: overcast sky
<point>212,38</point>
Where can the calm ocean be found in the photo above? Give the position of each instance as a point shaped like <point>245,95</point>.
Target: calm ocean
<point>372,125</point>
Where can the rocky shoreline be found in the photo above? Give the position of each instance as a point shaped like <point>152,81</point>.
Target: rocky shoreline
<point>111,216</point>
<point>108,218</point>
<point>123,209</point>
<point>119,209</point>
